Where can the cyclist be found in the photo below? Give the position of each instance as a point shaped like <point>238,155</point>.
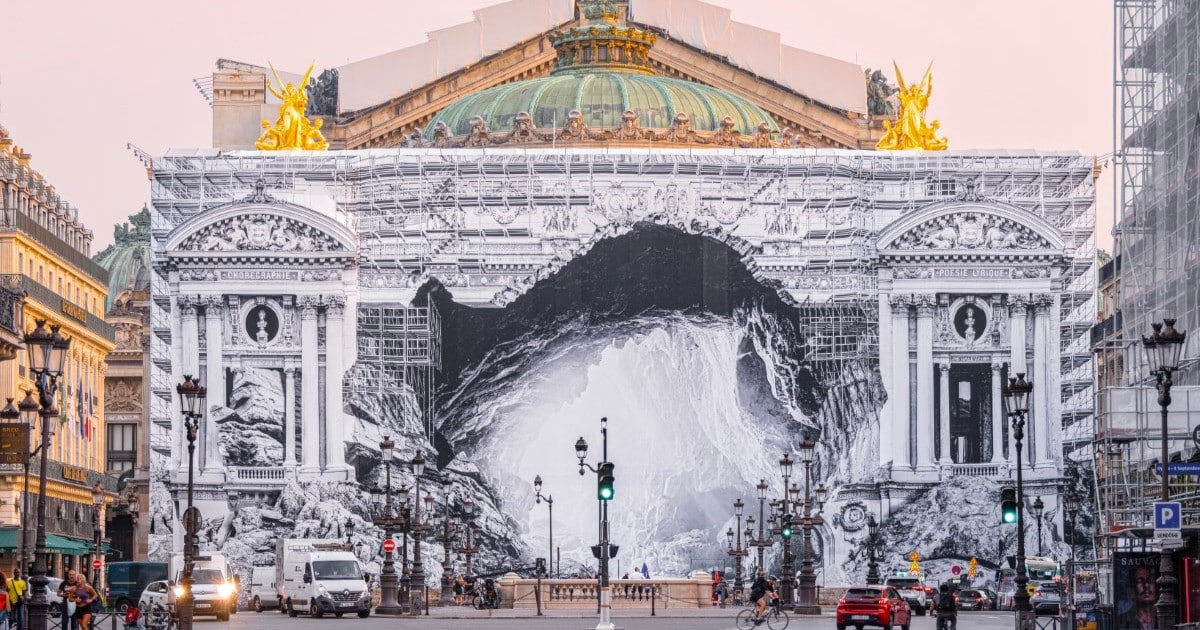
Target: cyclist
<point>947,609</point>
<point>762,590</point>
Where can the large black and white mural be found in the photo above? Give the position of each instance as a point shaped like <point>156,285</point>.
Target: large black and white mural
<point>488,309</point>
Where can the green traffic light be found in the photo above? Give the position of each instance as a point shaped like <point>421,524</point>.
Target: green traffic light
<point>787,532</point>
<point>1010,517</point>
<point>606,493</point>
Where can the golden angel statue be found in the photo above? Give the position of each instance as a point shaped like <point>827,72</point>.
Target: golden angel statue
<point>911,131</point>
<point>292,130</point>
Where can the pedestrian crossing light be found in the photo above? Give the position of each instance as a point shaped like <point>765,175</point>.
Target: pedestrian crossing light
<point>604,488</point>
<point>1008,504</point>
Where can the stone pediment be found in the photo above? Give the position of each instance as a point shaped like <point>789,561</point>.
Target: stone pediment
<point>971,228</point>
<point>260,224</point>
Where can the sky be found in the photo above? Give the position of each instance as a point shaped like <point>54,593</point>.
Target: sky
<point>79,81</point>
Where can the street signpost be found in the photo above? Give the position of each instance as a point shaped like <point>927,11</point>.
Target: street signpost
<point>1168,522</point>
<point>955,570</point>
<point>96,564</point>
<point>389,545</point>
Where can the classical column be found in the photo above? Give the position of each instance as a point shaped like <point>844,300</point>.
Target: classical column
<point>335,438</point>
<point>944,410</point>
<point>309,398</point>
<point>886,414</point>
<point>289,417</point>
<point>189,350</point>
<point>900,419</point>
<point>925,308</point>
<point>214,380</point>
<point>1039,442</point>
<point>1016,313</point>
<point>997,415</point>
<point>1054,378</point>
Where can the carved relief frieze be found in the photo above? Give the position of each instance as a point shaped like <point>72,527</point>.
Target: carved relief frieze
<point>261,232</point>
<point>123,395</point>
<point>128,335</point>
<point>971,230</point>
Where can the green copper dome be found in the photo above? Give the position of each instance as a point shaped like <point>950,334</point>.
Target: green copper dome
<point>128,258</point>
<point>602,97</point>
<point>602,70</point>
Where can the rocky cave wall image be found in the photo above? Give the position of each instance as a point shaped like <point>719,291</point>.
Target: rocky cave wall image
<point>696,364</point>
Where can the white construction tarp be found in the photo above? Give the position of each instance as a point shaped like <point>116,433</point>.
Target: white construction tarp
<point>369,82</point>
<point>709,28</point>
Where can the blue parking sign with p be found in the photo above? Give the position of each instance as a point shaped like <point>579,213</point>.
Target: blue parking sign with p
<point>1167,515</point>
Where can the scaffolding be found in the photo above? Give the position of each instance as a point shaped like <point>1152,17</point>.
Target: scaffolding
<point>1157,151</point>
<point>399,346</point>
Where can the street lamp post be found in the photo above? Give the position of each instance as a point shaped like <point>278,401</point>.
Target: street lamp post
<point>191,400</point>
<point>603,552</point>
<point>807,604</point>
<point>418,568</point>
<point>47,355</point>
<point>388,582</point>
<point>447,596</point>
<point>1016,403</point>
<point>469,549</point>
<point>97,505</point>
<point>29,409</point>
<point>1163,349</point>
<point>1039,509</point>
<point>1072,505</point>
<point>736,549</point>
<point>761,540</point>
<point>786,521</point>
<point>872,546</point>
<point>405,568</point>
<point>549,499</point>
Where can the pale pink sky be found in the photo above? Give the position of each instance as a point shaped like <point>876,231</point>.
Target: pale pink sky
<point>78,80</point>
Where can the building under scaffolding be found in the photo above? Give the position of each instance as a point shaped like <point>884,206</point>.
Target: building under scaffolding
<point>399,346</point>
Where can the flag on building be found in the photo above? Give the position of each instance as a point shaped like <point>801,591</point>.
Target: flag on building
<point>92,422</point>
<point>79,408</point>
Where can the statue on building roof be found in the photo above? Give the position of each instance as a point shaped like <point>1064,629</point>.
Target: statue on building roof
<point>879,94</point>
<point>911,131</point>
<point>291,130</point>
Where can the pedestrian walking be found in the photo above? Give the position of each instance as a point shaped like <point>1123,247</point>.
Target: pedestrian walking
<point>17,588</point>
<point>459,588</point>
<point>85,598</point>
<point>68,606</point>
<point>5,606</point>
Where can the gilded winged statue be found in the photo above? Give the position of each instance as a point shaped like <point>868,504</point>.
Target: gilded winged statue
<point>911,131</point>
<point>292,130</point>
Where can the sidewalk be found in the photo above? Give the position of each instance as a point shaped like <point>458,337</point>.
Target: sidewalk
<point>466,612</point>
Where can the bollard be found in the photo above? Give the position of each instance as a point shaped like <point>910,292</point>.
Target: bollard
<point>537,594</point>
<point>653,598</point>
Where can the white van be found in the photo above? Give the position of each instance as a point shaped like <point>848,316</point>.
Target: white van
<point>319,577</point>
<point>262,595</point>
<point>214,585</point>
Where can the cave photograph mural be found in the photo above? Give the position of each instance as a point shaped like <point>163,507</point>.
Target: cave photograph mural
<point>722,277</point>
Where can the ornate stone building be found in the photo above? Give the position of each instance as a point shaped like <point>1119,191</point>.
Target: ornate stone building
<point>125,393</point>
<point>327,299</point>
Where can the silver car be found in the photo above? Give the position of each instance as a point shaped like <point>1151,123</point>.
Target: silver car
<point>1047,599</point>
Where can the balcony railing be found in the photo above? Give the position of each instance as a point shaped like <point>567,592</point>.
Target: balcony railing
<point>60,248</point>
<point>977,470</point>
<point>49,298</point>
<point>271,475</point>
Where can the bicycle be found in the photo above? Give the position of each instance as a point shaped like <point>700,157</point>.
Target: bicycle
<point>775,617</point>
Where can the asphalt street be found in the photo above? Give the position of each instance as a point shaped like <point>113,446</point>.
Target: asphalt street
<point>469,619</point>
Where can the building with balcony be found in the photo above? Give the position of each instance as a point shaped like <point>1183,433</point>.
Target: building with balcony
<point>45,254</point>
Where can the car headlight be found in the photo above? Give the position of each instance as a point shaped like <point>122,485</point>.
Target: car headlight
<point>225,590</point>
<point>322,590</point>
<point>179,590</point>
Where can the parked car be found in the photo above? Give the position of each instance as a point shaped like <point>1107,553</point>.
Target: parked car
<point>875,606</point>
<point>971,599</point>
<point>1047,598</point>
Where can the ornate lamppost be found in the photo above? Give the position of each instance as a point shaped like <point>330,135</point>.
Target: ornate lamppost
<point>97,506</point>
<point>737,550</point>
<point>418,568</point>
<point>388,582</point>
<point>405,567</point>
<point>872,548</point>
<point>469,549</point>
<point>447,596</point>
<point>30,409</point>
<point>537,488</point>
<point>807,605</point>
<point>47,356</point>
<point>1016,404</point>
<point>604,551</point>
<point>1072,506</point>
<point>761,540</point>
<point>1163,349</point>
<point>786,523</point>
<point>1039,509</point>
<point>191,400</point>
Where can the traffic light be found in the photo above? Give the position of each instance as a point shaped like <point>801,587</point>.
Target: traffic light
<point>604,488</point>
<point>787,526</point>
<point>1008,504</point>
